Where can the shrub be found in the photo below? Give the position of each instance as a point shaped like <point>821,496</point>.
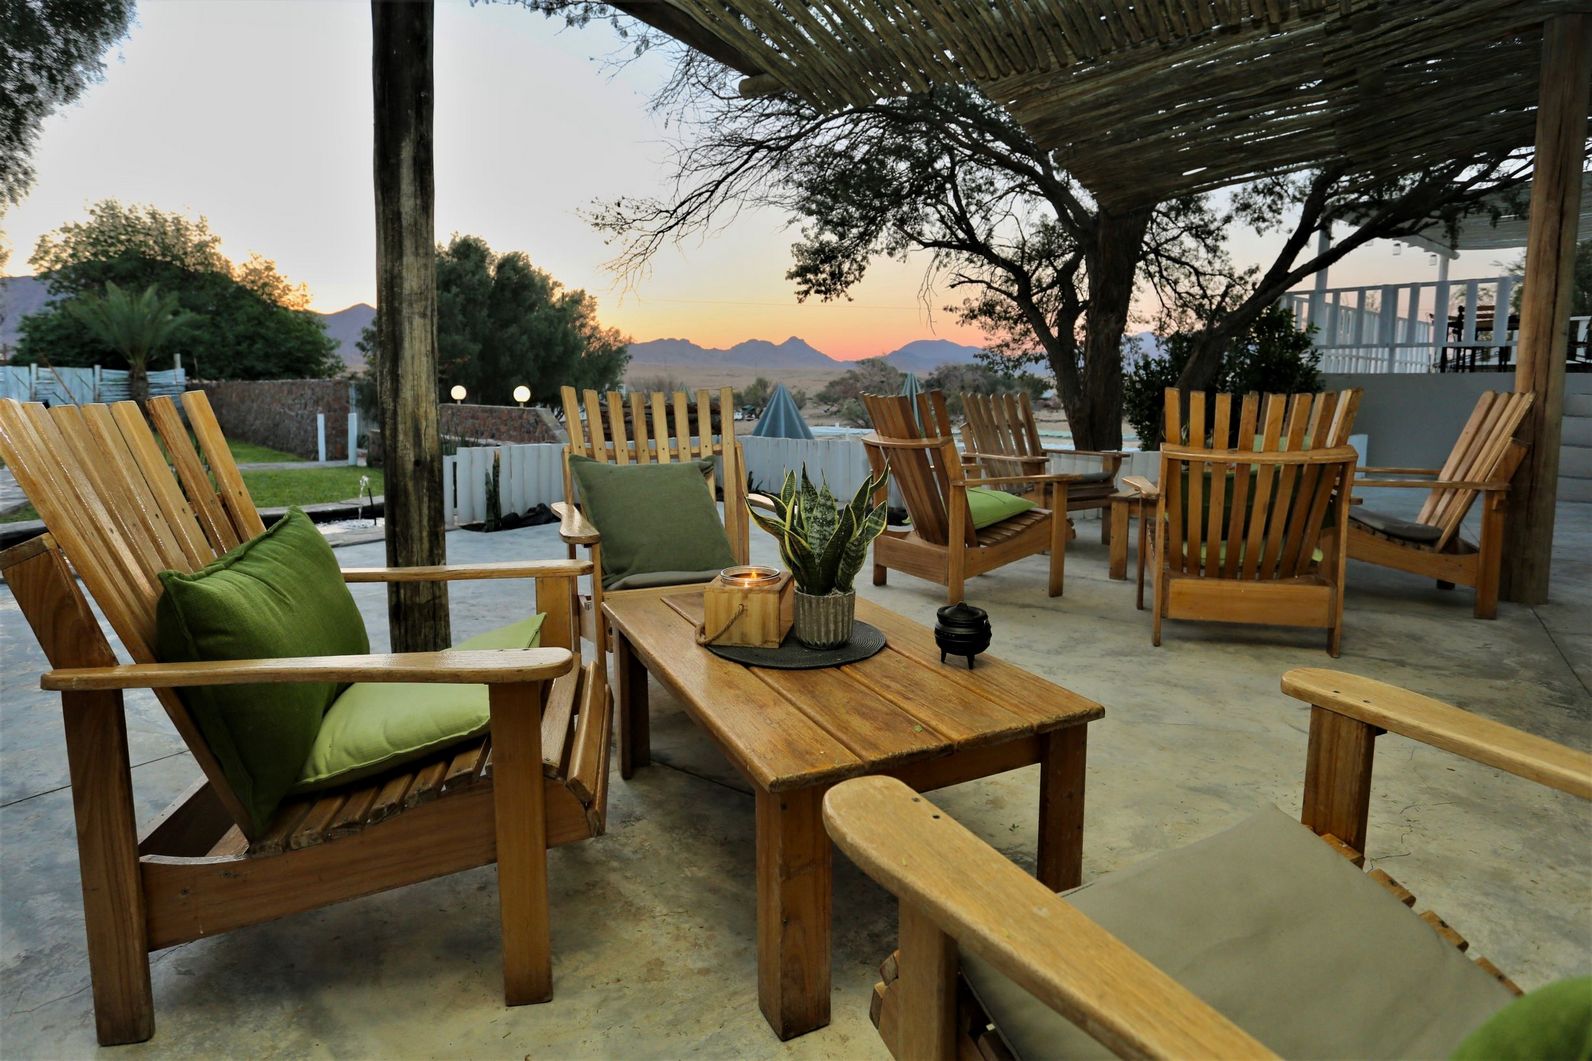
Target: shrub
<point>1272,357</point>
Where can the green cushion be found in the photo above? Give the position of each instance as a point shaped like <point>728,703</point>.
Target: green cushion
<point>653,518</point>
<point>1550,1022</point>
<point>374,727</point>
<point>279,595</point>
<point>991,506</point>
<point>1285,937</point>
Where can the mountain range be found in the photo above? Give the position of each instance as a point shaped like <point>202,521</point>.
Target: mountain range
<point>920,355</point>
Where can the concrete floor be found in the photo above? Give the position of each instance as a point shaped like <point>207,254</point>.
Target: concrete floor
<point>653,932</point>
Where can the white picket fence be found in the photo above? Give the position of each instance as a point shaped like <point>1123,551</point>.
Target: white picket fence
<point>77,386</point>
<point>534,474</point>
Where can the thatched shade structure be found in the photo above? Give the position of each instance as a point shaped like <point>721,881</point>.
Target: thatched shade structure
<point>1144,100</point>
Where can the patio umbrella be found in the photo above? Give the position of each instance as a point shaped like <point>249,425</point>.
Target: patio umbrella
<point>781,418</point>
<point>911,388</point>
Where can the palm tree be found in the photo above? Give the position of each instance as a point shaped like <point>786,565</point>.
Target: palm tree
<point>135,326</point>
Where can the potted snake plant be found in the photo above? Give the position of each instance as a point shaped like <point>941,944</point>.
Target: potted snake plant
<point>824,544</point>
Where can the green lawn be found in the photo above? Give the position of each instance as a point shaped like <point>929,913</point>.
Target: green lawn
<point>273,489</point>
<point>249,453</point>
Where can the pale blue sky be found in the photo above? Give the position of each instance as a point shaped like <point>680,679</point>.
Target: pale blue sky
<point>257,114</point>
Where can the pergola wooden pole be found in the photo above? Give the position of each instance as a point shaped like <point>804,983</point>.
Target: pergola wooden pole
<point>406,331</point>
<point>1566,80</point>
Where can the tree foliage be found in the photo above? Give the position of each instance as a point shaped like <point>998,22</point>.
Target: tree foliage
<point>502,322</point>
<point>1271,356</point>
<point>247,320</point>
<point>134,325</point>
<point>50,51</point>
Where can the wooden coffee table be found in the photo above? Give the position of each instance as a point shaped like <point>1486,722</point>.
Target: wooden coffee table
<point>792,734</point>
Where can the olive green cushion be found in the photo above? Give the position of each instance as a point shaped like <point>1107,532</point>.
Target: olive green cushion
<point>653,518</point>
<point>374,727</point>
<point>1285,937</point>
<point>1551,1022</point>
<point>991,506</point>
<point>278,595</point>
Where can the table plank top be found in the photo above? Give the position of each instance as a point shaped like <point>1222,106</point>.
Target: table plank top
<point>790,729</point>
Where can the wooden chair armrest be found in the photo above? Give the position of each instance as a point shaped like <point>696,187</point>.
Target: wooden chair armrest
<point>1366,468</point>
<point>1427,484</point>
<point>1058,477</point>
<point>574,527</point>
<point>459,572</point>
<point>1104,453</point>
<point>488,667</point>
<point>1142,486</point>
<point>1034,459</point>
<point>1444,726</point>
<point>974,894</point>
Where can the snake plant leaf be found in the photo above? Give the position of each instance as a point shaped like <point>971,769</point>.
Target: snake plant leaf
<point>856,549</point>
<point>834,551</point>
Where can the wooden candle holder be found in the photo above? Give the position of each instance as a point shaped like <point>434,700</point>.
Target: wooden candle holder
<point>751,606</point>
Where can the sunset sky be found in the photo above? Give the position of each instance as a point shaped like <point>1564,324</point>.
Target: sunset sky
<point>257,114</point>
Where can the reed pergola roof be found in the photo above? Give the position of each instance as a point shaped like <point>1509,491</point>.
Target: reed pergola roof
<point>1149,99</point>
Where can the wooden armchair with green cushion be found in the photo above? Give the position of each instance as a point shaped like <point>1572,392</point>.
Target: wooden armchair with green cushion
<point>639,477</point>
<point>1256,941</point>
<point>327,772</point>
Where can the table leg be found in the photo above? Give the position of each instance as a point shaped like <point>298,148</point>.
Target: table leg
<point>1061,775</point>
<point>1119,539</point>
<point>793,904</point>
<point>635,739</point>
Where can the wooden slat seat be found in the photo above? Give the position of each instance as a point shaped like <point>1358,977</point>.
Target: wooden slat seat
<point>1481,466</point>
<point>118,515</point>
<point>942,544</point>
<point>1245,506</point>
<point>1001,432</point>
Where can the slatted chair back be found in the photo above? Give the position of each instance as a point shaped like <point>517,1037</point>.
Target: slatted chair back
<point>659,427</point>
<point>1486,451</point>
<point>1252,506</point>
<point>119,514</point>
<point>922,460</point>
<point>1004,434</point>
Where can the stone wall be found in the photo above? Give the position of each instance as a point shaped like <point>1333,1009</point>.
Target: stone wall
<point>496,423</point>
<point>280,413</point>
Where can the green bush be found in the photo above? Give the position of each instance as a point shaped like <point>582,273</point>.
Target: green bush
<point>1272,357</point>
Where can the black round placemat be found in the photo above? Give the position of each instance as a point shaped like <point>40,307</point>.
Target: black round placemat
<point>793,655</point>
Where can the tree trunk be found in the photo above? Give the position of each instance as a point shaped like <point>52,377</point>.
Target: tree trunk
<point>138,382</point>
<point>1204,365</point>
<point>406,331</point>
<point>1113,263</point>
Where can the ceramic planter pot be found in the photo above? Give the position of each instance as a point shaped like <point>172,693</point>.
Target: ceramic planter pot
<point>824,620</point>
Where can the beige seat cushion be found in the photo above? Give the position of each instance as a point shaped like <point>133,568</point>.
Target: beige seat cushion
<point>1281,934</point>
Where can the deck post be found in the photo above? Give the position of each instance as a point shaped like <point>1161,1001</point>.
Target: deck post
<point>1545,300</point>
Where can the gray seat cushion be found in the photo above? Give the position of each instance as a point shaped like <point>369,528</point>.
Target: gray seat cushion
<point>1402,529</point>
<point>1282,935</point>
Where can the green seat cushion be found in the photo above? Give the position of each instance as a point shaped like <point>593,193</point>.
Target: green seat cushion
<point>1284,937</point>
<point>654,519</point>
<point>1550,1022</point>
<point>991,506</point>
<point>373,727</point>
<point>279,595</point>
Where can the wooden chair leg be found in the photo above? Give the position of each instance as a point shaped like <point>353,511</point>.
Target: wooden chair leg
<point>1105,528</point>
<point>1058,539</point>
<point>926,1027</point>
<point>1489,558</point>
<point>107,849</point>
<point>518,800</point>
<point>879,574</point>
<point>1338,776</point>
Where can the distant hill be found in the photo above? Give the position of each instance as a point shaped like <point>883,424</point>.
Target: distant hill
<point>793,353</point>
<point>345,326</point>
<point>925,355</point>
<point>19,296</point>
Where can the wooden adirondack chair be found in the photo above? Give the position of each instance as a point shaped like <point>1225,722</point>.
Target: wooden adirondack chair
<point>117,515</point>
<point>1249,556</point>
<point>1001,434</point>
<point>975,926</point>
<point>942,545</point>
<point>1483,462</point>
<point>639,430</point>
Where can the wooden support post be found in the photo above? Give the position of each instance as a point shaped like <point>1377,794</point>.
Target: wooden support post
<point>1545,300</point>
<point>926,1020</point>
<point>1338,776</point>
<point>793,882</point>
<point>406,324</point>
<point>521,820</point>
<point>1061,777</point>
